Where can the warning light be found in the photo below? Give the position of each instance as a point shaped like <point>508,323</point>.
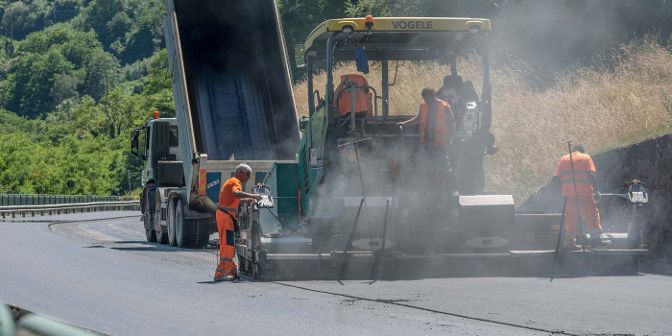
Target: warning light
<point>368,21</point>
<point>155,114</point>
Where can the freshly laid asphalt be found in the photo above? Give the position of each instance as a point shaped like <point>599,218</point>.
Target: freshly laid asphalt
<point>100,273</point>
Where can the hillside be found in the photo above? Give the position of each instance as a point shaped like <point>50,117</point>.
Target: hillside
<point>75,78</point>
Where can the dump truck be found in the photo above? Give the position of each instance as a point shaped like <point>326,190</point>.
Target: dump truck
<point>233,102</point>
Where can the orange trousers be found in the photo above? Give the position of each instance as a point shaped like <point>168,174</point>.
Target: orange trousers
<point>225,228</point>
<point>588,210</point>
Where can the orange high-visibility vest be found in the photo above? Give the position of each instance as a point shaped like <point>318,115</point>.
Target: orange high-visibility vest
<point>343,96</point>
<point>444,115</point>
<point>226,198</point>
<point>584,168</point>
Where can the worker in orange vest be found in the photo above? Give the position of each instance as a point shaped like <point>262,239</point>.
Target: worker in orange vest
<point>437,124</point>
<point>581,195</point>
<point>230,196</point>
<point>357,85</point>
<point>436,129</point>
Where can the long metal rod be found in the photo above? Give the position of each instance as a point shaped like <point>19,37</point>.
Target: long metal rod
<point>309,82</point>
<point>352,142</point>
<point>379,256</point>
<point>346,255</point>
<point>557,244</point>
<point>385,86</point>
<point>576,198</point>
<point>359,170</point>
<point>353,95</point>
<point>330,80</point>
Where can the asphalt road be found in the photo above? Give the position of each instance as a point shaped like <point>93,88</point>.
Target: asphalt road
<point>102,275</point>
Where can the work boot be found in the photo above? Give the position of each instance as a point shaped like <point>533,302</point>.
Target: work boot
<point>568,244</point>
<point>222,274</point>
<point>219,277</point>
<point>596,239</point>
<point>599,242</point>
<point>231,275</point>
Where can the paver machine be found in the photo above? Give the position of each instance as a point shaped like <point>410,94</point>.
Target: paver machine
<point>365,198</point>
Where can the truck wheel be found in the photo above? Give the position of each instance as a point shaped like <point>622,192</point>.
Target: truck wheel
<point>161,233</point>
<point>184,231</point>
<point>172,238</point>
<point>149,224</point>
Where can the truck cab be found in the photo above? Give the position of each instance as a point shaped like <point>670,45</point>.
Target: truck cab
<point>157,142</point>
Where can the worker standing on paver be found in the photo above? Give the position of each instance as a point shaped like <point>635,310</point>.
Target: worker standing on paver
<point>436,130</point>
<point>437,124</point>
<point>230,196</point>
<point>578,183</point>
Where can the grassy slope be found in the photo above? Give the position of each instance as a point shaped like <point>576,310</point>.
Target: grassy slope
<point>603,108</point>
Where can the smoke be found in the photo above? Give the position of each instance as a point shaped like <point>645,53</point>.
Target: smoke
<point>557,36</point>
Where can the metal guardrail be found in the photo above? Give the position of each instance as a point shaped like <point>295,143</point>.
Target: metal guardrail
<point>27,199</point>
<point>31,324</point>
<point>13,211</point>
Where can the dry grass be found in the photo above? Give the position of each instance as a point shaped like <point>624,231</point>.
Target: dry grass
<point>598,107</point>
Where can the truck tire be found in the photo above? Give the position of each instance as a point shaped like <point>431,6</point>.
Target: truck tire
<point>190,233</point>
<point>148,222</point>
<point>172,238</point>
<point>161,233</point>
<point>185,231</point>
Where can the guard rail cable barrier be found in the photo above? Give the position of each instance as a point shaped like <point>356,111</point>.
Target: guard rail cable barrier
<point>31,324</point>
<point>13,211</point>
<point>27,199</point>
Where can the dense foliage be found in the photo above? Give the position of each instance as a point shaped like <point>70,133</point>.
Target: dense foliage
<point>76,76</point>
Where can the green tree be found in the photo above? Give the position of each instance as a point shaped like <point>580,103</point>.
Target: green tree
<point>299,17</point>
<point>102,74</point>
<point>81,119</point>
<point>130,29</point>
<point>64,10</point>
<point>33,80</point>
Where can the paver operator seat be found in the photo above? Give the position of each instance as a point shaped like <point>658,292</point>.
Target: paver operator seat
<point>353,95</point>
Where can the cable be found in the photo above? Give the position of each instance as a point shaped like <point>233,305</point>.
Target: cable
<point>392,302</point>
<point>51,223</point>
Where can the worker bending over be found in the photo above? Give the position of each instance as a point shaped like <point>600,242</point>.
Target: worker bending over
<point>581,194</point>
<point>230,197</point>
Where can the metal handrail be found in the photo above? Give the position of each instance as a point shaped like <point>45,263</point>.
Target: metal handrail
<point>51,209</point>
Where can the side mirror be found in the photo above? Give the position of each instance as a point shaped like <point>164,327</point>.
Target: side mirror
<point>138,142</point>
<point>134,142</point>
<point>299,58</point>
<point>303,123</point>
